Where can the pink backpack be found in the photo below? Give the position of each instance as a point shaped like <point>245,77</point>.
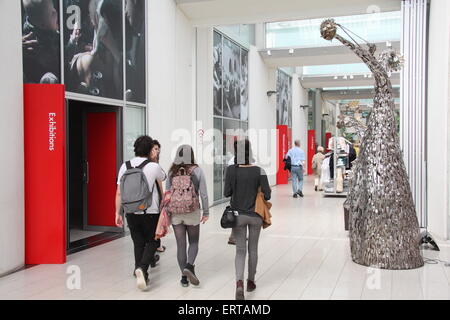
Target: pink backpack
<point>184,198</point>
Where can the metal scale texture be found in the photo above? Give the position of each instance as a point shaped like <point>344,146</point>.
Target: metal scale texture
<point>384,230</point>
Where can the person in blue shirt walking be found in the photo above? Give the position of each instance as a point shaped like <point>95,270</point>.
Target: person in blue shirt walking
<point>298,159</point>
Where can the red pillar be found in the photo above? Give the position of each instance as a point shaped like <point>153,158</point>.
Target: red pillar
<point>45,174</point>
<point>282,147</point>
<point>311,149</point>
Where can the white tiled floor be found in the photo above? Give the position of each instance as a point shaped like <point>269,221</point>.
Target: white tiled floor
<point>303,255</point>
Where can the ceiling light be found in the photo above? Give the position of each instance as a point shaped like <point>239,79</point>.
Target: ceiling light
<point>269,53</point>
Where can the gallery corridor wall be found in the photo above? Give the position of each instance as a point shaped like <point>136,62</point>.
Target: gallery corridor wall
<point>438,175</point>
<point>11,130</point>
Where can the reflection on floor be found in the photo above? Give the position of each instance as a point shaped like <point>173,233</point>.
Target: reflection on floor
<point>303,255</point>
<point>77,234</point>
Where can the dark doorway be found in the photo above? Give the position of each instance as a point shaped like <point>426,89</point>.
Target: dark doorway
<point>94,155</point>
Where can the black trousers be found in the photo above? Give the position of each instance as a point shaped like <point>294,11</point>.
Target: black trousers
<point>142,229</point>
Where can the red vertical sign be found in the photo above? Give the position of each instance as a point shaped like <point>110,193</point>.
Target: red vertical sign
<point>282,147</point>
<point>45,174</point>
<point>311,149</point>
<point>327,138</point>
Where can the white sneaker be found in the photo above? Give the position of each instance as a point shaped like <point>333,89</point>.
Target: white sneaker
<point>140,279</point>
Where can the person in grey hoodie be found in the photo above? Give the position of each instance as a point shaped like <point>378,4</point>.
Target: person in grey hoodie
<point>188,223</point>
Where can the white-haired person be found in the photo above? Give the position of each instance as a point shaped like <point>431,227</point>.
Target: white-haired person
<point>317,161</point>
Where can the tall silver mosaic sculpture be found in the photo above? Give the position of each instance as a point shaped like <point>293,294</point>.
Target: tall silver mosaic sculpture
<point>384,230</point>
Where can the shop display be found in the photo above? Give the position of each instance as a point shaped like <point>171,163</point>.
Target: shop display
<point>336,167</point>
<point>384,231</point>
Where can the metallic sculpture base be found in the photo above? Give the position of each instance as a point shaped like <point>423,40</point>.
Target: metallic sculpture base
<point>426,239</point>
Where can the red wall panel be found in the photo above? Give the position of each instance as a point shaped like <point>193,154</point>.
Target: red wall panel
<point>282,147</point>
<point>327,138</point>
<point>45,174</point>
<point>311,149</point>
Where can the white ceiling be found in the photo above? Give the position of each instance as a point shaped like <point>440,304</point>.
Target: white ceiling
<point>223,12</point>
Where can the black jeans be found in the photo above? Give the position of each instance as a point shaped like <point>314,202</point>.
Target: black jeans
<point>142,229</point>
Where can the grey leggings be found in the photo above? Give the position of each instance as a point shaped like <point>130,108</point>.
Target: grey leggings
<point>254,225</point>
<point>193,233</point>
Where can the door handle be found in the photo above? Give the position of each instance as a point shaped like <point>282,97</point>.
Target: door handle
<point>86,172</point>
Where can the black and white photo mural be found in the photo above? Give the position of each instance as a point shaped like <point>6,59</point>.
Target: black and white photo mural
<point>93,38</point>
<point>230,103</point>
<point>231,80</point>
<point>41,42</point>
<point>244,85</point>
<point>217,51</point>
<point>92,55</point>
<point>284,99</point>
<point>135,51</point>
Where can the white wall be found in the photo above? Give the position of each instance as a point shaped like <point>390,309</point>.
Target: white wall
<point>299,115</point>
<point>205,100</point>
<point>438,119</point>
<point>262,113</point>
<point>171,65</point>
<point>12,223</point>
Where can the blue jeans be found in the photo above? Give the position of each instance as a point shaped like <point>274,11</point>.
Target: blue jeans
<point>297,174</point>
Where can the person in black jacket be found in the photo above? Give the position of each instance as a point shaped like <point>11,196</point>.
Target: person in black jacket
<point>242,182</point>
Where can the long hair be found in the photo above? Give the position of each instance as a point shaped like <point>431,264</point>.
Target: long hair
<point>243,152</point>
<point>184,158</point>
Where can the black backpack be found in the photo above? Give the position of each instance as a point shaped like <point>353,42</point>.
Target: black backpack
<point>287,164</point>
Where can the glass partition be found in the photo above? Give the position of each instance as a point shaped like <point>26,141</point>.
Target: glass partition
<point>134,127</point>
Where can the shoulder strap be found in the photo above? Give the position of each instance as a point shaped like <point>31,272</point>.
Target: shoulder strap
<point>143,164</point>
<point>191,170</point>
<point>194,179</point>
<point>128,164</point>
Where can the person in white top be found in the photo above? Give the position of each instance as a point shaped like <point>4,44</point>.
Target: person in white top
<point>142,224</point>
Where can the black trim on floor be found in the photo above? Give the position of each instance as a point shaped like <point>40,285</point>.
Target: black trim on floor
<point>94,241</point>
